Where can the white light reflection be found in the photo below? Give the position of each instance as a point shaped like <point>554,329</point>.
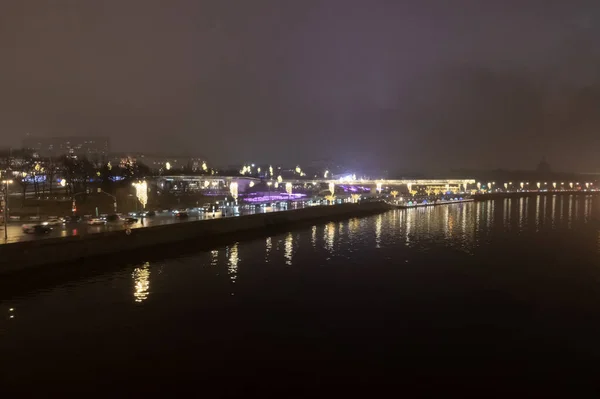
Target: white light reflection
<point>545,210</point>
<point>477,216</point>
<point>562,209</point>
<point>506,213</point>
<point>464,221</point>
<point>378,231</point>
<point>353,227</point>
<point>521,213</point>
<point>409,213</point>
<point>537,213</point>
<point>588,208</point>
<point>232,264</point>
<point>570,213</point>
<point>288,249</point>
<point>447,222</point>
<point>490,214</point>
<point>329,233</point>
<point>141,282</point>
<point>313,237</point>
<point>214,257</point>
<point>553,218</point>
<point>268,246</point>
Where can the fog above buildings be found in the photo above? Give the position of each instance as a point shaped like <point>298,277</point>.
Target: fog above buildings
<point>410,86</point>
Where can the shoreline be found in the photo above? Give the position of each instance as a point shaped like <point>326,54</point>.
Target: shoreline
<point>72,251</point>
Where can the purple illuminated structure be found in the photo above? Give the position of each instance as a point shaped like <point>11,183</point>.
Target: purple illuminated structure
<point>276,197</point>
<point>355,189</point>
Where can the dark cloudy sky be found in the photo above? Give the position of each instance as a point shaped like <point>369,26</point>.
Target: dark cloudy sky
<point>403,84</point>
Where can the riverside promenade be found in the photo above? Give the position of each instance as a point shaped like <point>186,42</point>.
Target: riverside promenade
<point>19,256</point>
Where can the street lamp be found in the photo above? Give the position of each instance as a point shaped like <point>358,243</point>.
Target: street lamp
<point>233,189</point>
<point>288,189</point>
<point>269,183</point>
<point>6,183</point>
<point>141,192</point>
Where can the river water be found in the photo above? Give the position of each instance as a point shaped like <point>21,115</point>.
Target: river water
<point>503,290</point>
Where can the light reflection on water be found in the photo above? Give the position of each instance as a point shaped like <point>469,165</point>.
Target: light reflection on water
<point>268,246</point>
<point>460,226</point>
<point>303,279</point>
<point>463,227</point>
<point>232,262</point>
<point>141,282</point>
<point>289,249</point>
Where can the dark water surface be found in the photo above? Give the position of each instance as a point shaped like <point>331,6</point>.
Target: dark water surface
<point>485,295</point>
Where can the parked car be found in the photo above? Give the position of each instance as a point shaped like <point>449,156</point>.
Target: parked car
<point>54,222</point>
<point>113,218</point>
<point>130,220</point>
<point>181,215</point>
<point>36,229</point>
<point>96,222</point>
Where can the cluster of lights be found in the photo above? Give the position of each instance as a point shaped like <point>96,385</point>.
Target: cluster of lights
<point>299,171</point>
<point>537,184</point>
<point>141,192</point>
<point>233,189</point>
<point>348,178</point>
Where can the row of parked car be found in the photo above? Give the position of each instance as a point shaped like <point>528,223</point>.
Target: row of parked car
<point>48,225</point>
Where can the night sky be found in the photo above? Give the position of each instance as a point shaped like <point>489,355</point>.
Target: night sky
<point>411,85</point>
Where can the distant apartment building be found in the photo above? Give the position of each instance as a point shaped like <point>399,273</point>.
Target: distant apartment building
<point>162,162</point>
<point>91,147</point>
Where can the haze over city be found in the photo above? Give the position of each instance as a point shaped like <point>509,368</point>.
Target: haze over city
<point>425,86</point>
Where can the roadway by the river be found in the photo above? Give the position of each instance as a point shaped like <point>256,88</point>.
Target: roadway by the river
<point>16,234</point>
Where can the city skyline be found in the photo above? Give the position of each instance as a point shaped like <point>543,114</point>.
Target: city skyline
<point>394,86</point>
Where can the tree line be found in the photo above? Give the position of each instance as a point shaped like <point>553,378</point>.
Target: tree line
<point>43,175</point>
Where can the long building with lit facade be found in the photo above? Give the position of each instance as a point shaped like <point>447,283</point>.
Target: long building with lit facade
<point>89,146</point>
